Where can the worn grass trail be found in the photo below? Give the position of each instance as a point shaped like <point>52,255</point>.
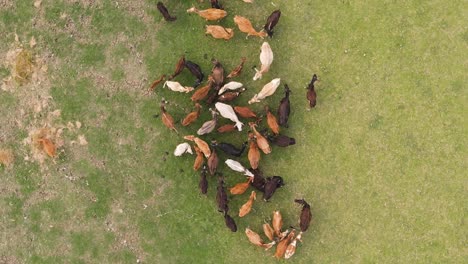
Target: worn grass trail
<point>381,159</point>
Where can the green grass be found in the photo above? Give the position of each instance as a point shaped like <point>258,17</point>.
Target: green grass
<point>381,158</point>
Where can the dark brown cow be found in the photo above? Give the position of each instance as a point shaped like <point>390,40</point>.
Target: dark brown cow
<point>196,71</point>
<point>203,184</point>
<point>272,183</point>
<point>230,222</point>
<point>284,108</point>
<point>306,215</point>
<point>258,181</point>
<point>221,196</point>
<point>271,22</point>
<point>281,140</point>
<point>311,94</point>
<point>216,4</point>
<point>229,148</point>
<point>163,10</point>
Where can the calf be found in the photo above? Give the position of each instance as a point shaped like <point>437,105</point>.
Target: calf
<point>272,21</point>
<point>196,71</point>
<point>229,148</point>
<point>306,215</point>
<point>271,184</point>
<point>311,94</point>
<point>163,10</point>
<point>284,107</point>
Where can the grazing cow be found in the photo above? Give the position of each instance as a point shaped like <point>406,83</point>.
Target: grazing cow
<point>219,32</point>
<point>177,87</point>
<point>229,148</point>
<point>202,92</point>
<point>277,223</point>
<point>196,71</point>
<point>229,96</point>
<point>272,121</point>
<point>204,147</point>
<point>230,222</point>
<point>163,10</point>
<point>199,159</point>
<point>227,128</point>
<point>306,215</point>
<point>221,196</point>
<point>266,91</point>
<point>245,112</point>
<point>261,140</point>
<point>272,21</point>
<point>253,154</point>
<point>213,162</point>
<point>255,239</point>
<point>210,125</point>
<point>284,108</point>
<point>237,71</point>
<point>266,58</point>
<point>281,140</point>
<point>209,14</point>
<point>216,4</point>
<point>240,188</point>
<point>283,245</point>
<point>156,82</point>
<point>245,208</point>
<point>311,94</point>
<point>258,181</point>
<point>179,67</point>
<point>167,119</point>
<point>291,249</point>
<point>269,232</point>
<point>217,73</point>
<point>203,184</point>
<point>272,183</point>
<point>245,26</point>
<point>191,117</point>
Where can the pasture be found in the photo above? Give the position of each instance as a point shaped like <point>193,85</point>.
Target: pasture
<point>381,159</point>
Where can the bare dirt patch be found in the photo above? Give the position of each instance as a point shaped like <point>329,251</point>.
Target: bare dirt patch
<point>6,157</point>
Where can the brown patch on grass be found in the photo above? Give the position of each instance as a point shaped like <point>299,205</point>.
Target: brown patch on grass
<point>6,157</point>
<point>35,140</point>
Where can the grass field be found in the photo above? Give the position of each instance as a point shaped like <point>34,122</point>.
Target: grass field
<point>381,159</point>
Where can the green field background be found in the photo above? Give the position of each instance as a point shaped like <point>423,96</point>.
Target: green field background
<point>382,158</point>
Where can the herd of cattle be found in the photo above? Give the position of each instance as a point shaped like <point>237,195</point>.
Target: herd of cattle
<point>217,93</point>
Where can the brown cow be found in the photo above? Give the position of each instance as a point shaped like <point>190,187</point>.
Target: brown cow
<point>306,215</point>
